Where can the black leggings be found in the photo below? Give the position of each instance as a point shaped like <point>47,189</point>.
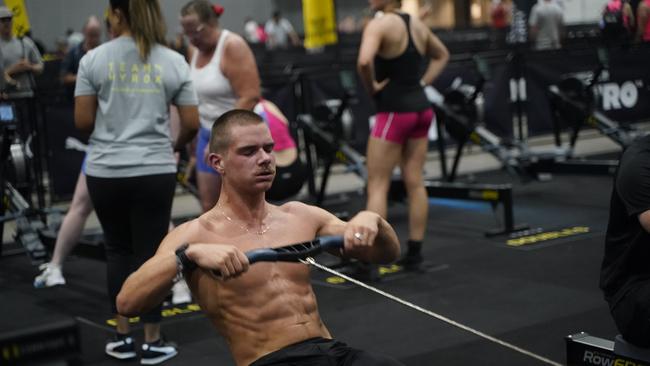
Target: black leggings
<point>323,352</point>
<point>134,213</point>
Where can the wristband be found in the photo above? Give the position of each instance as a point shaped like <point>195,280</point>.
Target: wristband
<point>183,263</point>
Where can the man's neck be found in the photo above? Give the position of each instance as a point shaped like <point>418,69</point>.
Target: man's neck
<point>252,209</point>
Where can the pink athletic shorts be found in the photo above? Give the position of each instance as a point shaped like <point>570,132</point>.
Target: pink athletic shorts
<point>398,127</point>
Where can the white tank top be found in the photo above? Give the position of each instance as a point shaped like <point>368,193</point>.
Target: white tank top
<point>213,89</point>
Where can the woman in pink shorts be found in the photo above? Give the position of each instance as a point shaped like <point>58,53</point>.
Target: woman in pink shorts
<point>393,49</point>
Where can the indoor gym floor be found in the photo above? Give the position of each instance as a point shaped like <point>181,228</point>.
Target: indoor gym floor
<point>531,295</point>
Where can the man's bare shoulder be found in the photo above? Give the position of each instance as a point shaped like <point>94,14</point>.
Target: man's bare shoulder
<point>197,228</point>
<point>300,208</point>
<point>187,228</point>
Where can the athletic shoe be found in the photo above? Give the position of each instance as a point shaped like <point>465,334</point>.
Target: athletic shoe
<point>411,262</point>
<point>365,272</point>
<point>51,275</point>
<point>181,293</point>
<point>122,349</point>
<point>157,352</point>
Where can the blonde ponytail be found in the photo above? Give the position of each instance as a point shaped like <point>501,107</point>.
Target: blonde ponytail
<point>147,25</point>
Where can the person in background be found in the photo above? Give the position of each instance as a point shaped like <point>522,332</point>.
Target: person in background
<point>279,32</point>
<point>21,58</point>
<point>253,32</point>
<point>224,72</point>
<point>347,25</point>
<point>179,44</point>
<point>291,172</point>
<point>499,13</point>
<point>122,95</point>
<point>73,38</point>
<point>61,48</point>
<point>92,32</point>
<point>39,44</point>
<point>617,23</point>
<point>81,206</point>
<point>546,24</point>
<point>393,46</point>
<point>643,21</point>
<point>625,274</point>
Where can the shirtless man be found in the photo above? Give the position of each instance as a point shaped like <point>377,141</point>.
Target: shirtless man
<point>266,307</point>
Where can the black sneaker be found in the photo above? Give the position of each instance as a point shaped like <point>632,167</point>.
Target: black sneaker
<point>411,262</point>
<point>122,349</point>
<point>365,272</point>
<point>157,352</point>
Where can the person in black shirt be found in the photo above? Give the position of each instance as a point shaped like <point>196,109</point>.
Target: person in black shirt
<point>625,272</point>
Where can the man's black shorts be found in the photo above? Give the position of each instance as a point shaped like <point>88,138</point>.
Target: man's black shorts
<point>325,352</point>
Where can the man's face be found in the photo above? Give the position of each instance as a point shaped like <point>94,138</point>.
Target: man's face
<point>92,35</point>
<point>5,25</point>
<point>249,162</point>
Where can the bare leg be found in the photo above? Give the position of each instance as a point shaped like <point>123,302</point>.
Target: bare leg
<point>381,158</point>
<point>73,223</point>
<point>123,326</point>
<point>151,332</point>
<point>209,186</point>
<point>414,156</point>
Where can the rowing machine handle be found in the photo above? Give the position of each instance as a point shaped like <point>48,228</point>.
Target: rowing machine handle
<point>300,251</point>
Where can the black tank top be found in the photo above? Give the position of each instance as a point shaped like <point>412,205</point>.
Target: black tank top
<point>403,93</point>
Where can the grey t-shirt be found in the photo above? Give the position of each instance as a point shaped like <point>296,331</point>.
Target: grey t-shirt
<point>131,135</point>
<point>13,51</point>
<point>548,18</point>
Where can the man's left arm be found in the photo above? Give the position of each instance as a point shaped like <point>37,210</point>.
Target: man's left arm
<point>367,236</point>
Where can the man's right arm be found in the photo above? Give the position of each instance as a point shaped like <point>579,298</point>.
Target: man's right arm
<point>149,285</point>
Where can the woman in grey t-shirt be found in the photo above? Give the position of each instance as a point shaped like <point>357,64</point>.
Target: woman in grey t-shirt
<point>123,91</point>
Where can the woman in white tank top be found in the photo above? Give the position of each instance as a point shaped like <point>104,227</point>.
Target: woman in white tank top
<point>225,76</point>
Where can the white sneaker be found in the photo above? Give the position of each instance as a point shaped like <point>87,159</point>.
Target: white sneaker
<point>155,353</point>
<point>122,349</point>
<point>51,275</point>
<point>181,293</point>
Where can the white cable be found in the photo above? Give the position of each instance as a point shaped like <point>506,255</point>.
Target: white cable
<point>431,313</point>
